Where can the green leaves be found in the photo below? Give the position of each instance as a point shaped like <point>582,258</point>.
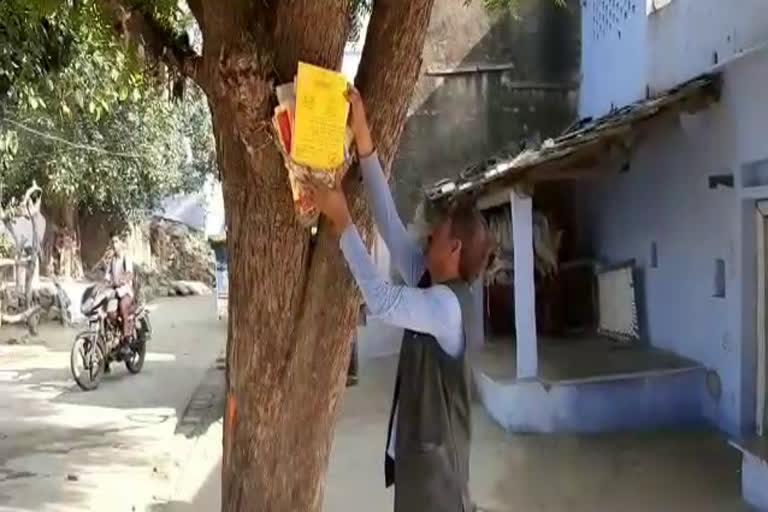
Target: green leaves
<point>9,147</point>
<point>97,129</point>
<point>9,142</point>
<point>52,49</point>
<point>124,159</point>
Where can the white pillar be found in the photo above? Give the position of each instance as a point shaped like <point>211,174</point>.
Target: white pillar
<point>525,293</point>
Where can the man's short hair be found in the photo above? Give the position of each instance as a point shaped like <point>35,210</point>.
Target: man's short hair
<point>469,226</point>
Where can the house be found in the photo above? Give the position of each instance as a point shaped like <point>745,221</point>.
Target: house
<point>489,82</point>
<point>665,181</point>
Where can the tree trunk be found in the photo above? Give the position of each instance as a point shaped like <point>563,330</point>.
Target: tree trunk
<point>292,303</point>
<point>61,245</point>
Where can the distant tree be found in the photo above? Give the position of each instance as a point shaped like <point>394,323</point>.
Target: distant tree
<point>82,117</point>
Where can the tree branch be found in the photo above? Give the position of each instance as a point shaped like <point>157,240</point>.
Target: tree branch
<point>161,43</point>
<point>389,67</point>
<point>300,41</point>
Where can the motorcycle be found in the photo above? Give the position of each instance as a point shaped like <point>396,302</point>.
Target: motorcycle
<point>93,350</point>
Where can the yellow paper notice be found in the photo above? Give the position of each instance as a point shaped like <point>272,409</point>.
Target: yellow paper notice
<point>321,117</point>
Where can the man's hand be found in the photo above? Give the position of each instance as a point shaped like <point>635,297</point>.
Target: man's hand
<point>359,123</point>
<point>332,203</point>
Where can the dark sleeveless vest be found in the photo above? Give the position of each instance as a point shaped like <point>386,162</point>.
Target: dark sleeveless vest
<point>432,394</point>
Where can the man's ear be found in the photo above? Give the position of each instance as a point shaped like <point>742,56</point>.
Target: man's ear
<point>456,245</point>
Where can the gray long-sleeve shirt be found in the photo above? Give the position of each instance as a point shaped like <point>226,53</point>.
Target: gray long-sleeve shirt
<point>434,310</point>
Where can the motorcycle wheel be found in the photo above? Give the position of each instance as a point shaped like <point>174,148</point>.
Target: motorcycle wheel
<point>92,360</point>
<point>135,362</point>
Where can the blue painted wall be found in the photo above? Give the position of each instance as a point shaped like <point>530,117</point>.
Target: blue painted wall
<point>665,198</point>
<point>754,475</point>
<point>639,402</point>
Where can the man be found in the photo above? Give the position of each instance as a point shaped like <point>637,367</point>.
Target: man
<point>120,275</point>
<point>427,454</point>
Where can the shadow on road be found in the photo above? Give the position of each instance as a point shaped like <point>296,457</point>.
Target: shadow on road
<point>206,406</point>
<point>118,390</point>
<point>65,449</point>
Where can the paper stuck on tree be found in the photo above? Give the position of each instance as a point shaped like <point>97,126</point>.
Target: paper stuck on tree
<point>284,126</point>
<point>321,118</point>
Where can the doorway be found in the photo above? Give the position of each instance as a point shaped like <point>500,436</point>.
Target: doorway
<point>761,413</point>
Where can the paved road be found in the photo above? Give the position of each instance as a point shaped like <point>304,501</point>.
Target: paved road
<point>117,448</point>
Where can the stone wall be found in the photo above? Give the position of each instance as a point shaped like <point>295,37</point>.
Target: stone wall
<point>488,82</point>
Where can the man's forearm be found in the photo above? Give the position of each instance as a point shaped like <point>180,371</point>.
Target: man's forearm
<point>406,254</point>
<point>364,143</point>
<point>434,310</point>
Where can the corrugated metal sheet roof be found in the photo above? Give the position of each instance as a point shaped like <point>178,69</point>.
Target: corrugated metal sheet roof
<point>583,146</point>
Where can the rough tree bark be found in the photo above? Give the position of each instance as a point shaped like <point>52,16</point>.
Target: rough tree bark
<point>292,303</point>
<point>61,244</point>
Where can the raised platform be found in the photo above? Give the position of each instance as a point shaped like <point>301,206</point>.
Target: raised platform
<point>589,385</point>
<point>754,470</point>
<point>573,359</point>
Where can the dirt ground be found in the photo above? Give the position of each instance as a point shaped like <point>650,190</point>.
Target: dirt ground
<point>121,448</point>
<point>663,471</point>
